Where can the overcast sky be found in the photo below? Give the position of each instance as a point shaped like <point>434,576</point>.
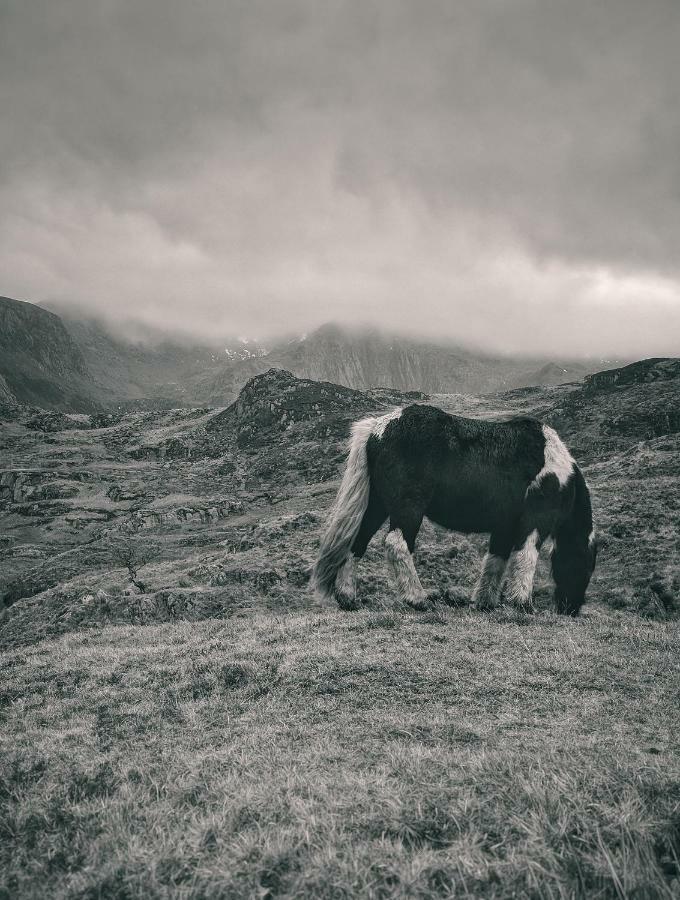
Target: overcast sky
<point>504,172</point>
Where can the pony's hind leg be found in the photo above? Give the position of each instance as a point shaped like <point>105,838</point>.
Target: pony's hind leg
<point>399,545</point>
<point>346,585</point>
<point>488,589</point>
<point>346,582</point>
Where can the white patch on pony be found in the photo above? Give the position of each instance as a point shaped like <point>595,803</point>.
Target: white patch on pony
<point>382,422</point>
<point>591,539</point>
<point>400,561</point>
<point>558,460</point>
<point>488,589</point>
<point>521,568</point>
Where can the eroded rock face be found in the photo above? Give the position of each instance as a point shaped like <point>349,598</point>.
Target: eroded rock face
<point>21,486</point>
<point>156,518</point>
<point>126,493</point>
<point>104,420</point>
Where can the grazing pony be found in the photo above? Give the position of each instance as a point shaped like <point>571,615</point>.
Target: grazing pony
<point>514,480</point>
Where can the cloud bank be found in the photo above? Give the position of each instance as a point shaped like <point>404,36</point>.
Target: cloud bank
<point>500,173</point>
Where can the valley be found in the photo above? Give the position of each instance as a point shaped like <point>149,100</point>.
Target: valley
<point>181,717</point>
<point>223,507</point>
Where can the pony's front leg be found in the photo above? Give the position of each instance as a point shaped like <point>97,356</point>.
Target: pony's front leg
<point>400,561</point>
<point>487,592</point>
<point>521,569</point>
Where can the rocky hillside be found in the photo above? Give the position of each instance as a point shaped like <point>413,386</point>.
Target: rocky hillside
<point>642,372</point>
<point>147,515</point>
<point>40,363</point>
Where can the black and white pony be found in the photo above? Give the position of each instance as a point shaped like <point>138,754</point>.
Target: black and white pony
<point>514,480</point>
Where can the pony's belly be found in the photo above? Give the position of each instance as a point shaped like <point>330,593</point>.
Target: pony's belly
<point>474,513</point>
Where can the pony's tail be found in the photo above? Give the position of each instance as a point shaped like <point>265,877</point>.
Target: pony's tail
<point>347,511</point>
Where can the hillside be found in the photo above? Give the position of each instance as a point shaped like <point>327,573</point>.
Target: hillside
<point>181,719</point>
<point>40,364</point>
<point>225,506</point>
<point>155,369</point>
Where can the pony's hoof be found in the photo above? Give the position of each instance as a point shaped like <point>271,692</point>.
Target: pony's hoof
<point>484,607</point>
<point>418,605</point>
<point>484,602</point>
<point>525,609</point>
<point>348,602</point>
<point>426,601</point>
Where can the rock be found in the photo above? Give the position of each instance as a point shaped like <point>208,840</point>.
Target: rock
<point>81,518</point>
<point>130,494</point>
<point>277,400</point>
<point>41,508</point>
<point>51,422</point>
<point>104,420</point>
<point>155,518</point>
<point>28,552</point>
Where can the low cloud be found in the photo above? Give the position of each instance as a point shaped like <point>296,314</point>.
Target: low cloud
<point>502,174</point>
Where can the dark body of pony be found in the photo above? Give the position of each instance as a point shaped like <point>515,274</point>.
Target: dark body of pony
<point>514,480</point>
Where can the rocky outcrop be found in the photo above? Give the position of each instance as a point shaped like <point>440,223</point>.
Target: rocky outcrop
<point>104,420</point>
<point>276,401</point>
<point>642,372</point>
<point>21,486</point>
<point>49,422</point>
<point>157,518</point>
<point>184,448</point>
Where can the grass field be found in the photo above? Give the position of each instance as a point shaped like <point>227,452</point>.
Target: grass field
<point>329,755</point>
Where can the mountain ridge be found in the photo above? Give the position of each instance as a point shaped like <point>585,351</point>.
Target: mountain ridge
<point>71,363</point>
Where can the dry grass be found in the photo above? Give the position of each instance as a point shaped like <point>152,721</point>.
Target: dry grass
<point>376,754</point>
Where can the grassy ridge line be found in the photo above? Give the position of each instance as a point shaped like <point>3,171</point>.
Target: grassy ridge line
<point>324,755</point>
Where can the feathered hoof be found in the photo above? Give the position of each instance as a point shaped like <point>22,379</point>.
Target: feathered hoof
<point>347,602</point>
<point>484,603</point>
<point>426,601</point>
<point>527,609</point>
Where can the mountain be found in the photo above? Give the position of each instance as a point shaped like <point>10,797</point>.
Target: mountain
<point>40,363</point>
<point>367,359</point>
<point>66,362</point>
